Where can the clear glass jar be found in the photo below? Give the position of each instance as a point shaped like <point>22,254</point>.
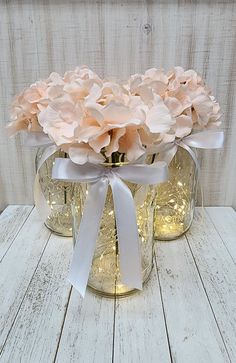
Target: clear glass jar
<point>58,195</point>
<point>175,199</point>
<point>104,278</point>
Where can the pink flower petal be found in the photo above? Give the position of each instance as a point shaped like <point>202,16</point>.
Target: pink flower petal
<point>99,142</point>
<point>95,111</point>
<point>82,153</point>
<point>116,112</point>
<point>88,133</point>
<point>131,144</point>
<point>159,119</point>
<point>174,105</point>
<point>158,87</point>
<point>184,126</point>
<point>145,93</point>
<point>135,81</point>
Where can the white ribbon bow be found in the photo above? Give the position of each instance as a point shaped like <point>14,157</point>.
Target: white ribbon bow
<point>99,177</point>
<point>202,140</point>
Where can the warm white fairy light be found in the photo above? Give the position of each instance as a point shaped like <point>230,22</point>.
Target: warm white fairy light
<point>174,198</point>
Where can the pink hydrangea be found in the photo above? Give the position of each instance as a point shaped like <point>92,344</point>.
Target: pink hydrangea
<point>91,118</point>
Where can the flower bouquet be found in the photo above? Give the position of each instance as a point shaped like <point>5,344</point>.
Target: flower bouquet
<point>118,139</point>
<point>195,114</point>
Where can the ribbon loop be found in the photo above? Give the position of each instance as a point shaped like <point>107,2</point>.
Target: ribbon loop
<point>200,140</point>
<point>99,177</point>
<point>205,140</point>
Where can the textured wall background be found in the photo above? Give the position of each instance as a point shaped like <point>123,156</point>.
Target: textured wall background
<point>117,38</point>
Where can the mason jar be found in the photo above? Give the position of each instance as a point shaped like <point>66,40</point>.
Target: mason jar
<point>105,277</point>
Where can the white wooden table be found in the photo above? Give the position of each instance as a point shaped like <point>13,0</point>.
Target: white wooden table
<point>186,313</point>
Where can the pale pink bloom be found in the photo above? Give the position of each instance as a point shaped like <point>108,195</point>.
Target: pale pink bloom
<point>183,123</point>
<point>83,153</point>
<point>130,144</point>
<point>205,110</point>
<point>178,77</point>
<point>24,109</point>
<point>27,105</point>
<point>91,118</point>
<point>158,118</point>
<point>109,127</point>
<point>82,83</point>
<point>183,126</point>
<point>112,91</point>
<point>24,124</point>
<point>157,80</point>
<point>83,73</point>
<point>61,119</point>
<point>199,105</point>
<point>186,90</point>
<point>119,121</point>
<point>114,145</point>
<point>176,106</point>
<point>154,81</point>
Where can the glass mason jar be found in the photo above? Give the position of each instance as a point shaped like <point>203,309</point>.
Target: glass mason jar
<point>175,199</point>
<point>58,195</point>
<point>104,278</point>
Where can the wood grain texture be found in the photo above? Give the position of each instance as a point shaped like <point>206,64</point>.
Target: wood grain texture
<point>224,220</point>
<point>217,270</point>
<point>43,308</point>
<point>11,221</point>
<point>140,317</point>
<point>87,334</point>
<point>190,322</point>
<point>17,269</point>
<point>117,38</point>
<point>186,312</point>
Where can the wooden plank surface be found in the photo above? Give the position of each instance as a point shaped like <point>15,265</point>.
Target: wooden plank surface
<point>87,334</point>
<point>36,330</point>
<point>117,38</point>
<point>224,220</point>
<point>217,271</point>
<point>186,312</point>
<point>11,221</point>
<point>140,318</point>
<point>192,329</point>
<point>17,269</point>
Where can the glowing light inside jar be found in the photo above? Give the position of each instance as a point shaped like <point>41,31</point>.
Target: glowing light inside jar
<point>174,200</point>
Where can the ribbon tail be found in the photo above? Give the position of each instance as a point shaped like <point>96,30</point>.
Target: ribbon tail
<point>87,235</point>
<point>126,224</point>
<point>39,199</point>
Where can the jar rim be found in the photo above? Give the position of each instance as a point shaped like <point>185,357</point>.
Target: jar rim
<point>119,163</point>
